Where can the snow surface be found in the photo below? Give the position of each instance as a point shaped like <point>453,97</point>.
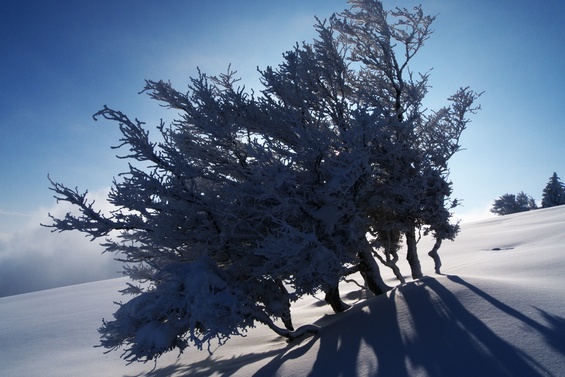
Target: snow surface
<point>498,310</point>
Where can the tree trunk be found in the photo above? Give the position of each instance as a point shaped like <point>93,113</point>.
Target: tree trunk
<point>435,256</point>
<point>391,263</point>
<point>333,298</point>
<point>259,315</point>
<point>391,246</point>
<point>370,272</point>
<point>412,254</point>
<point>286,315</point>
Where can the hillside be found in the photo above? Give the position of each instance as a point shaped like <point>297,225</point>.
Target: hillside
<point>497,310</point>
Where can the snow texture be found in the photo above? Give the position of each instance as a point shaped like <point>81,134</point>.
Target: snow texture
<point>498,310</point>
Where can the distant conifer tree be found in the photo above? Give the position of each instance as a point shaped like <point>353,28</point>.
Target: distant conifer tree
<point>510,203</point>
<point>553,193</point>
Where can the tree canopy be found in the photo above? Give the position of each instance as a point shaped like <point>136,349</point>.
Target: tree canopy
<point>510,203</point>
<point>250,200</point>
<point>553,193</point>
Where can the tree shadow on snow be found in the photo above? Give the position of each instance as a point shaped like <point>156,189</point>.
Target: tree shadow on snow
<point>453,341</point>
<point>555,334</point>
<point>421,328</point>
<point>220,366</point>
<point>441,337</point>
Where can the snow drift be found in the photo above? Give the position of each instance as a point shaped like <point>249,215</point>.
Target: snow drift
<point>498,310</point>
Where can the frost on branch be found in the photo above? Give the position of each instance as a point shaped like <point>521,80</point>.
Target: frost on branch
<point>251,200</point>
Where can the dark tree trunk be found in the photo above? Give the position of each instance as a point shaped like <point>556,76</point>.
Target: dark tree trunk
<point>286,315</point>
<point>391,246</point>
<point>412,254</point>
<point>435,256</point>
<point>259,315</point>
<point>333,298</point>
<point>370,271</point>
<point>390,261</point>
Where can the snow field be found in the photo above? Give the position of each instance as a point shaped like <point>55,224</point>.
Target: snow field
<point>497,310</point>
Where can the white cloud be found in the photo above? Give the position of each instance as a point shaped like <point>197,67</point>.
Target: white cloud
<point>33,258</point>
<point>473,214</point>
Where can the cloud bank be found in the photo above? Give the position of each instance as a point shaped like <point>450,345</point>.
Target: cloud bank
<point>33,258</point>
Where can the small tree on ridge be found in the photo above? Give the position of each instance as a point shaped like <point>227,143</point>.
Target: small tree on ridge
<point>510,203</point>
<point>553,193</point>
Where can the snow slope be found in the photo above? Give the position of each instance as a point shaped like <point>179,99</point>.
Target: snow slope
<point>498,310</point>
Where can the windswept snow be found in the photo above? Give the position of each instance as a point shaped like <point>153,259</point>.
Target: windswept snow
<point>498,310</point>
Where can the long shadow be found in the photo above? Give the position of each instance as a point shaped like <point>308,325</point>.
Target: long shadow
<point>338,351</point>
<point>339,346</point>
<point>452,341</point>
<point>229,366</point>
<point>554,335</point>
<point>421,328</point>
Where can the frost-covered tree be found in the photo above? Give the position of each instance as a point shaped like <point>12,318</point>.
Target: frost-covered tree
<point>510,203</point>
<point>525,202</point>
<point>553,193</point>
<point>250,200</point>
<point>411,189</point>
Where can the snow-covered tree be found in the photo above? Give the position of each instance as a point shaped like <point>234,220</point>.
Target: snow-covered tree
<point>411,189</point>
<point>553,193</point>
<point>251,200</point>
<point>510,203</point>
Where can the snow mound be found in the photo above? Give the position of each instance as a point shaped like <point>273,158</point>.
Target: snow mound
<point>498,310</point>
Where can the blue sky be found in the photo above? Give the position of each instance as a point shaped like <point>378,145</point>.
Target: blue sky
<point>61,61</point>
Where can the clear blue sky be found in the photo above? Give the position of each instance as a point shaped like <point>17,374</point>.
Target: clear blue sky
<point>61,61</point>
